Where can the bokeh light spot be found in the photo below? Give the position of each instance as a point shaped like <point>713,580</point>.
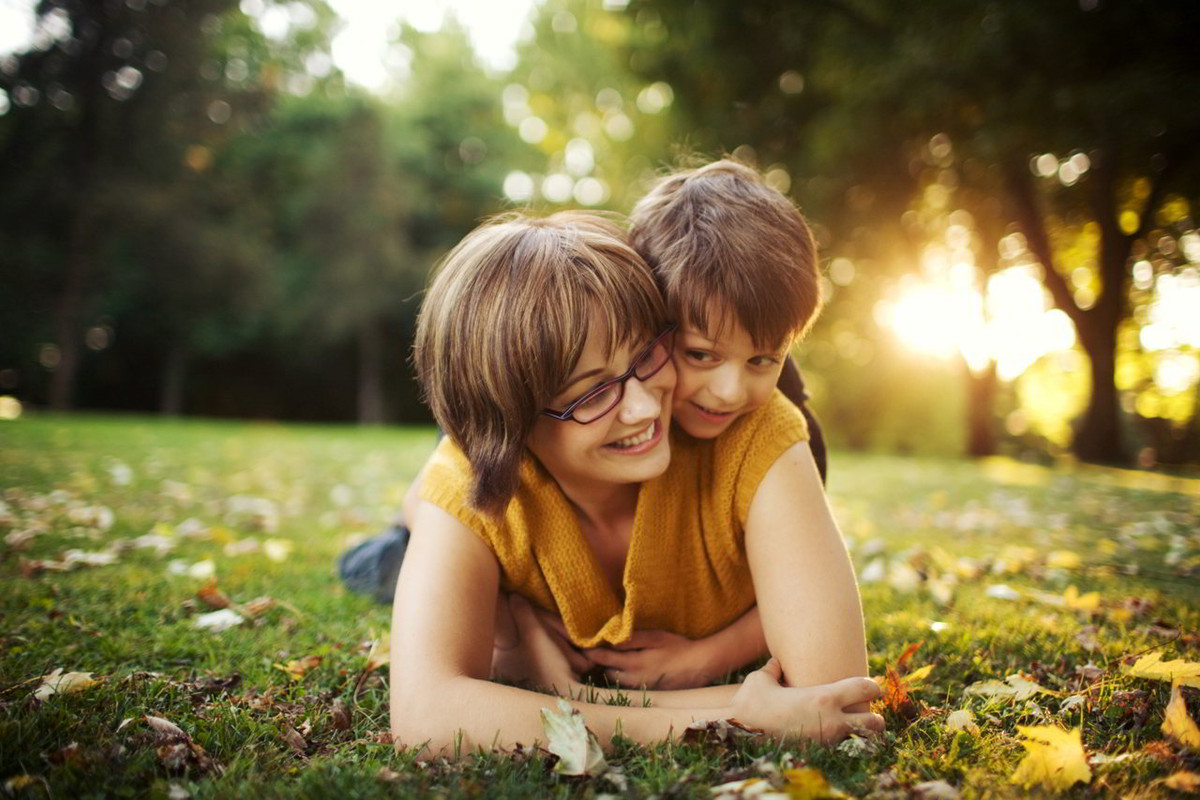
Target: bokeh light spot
<point>10,407</point>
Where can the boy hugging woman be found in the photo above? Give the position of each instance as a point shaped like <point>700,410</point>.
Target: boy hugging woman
<point>630,486</point>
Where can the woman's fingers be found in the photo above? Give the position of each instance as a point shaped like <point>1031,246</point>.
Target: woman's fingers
<point>851,691</point>
<point>865,724</point>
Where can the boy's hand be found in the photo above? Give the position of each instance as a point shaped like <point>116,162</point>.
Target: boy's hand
<point>657,660</point>
<point>822,713</point>
<point>526,649</point>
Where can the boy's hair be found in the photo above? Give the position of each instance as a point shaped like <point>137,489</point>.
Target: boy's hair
<point>504,323</point>
<point>721,233</point>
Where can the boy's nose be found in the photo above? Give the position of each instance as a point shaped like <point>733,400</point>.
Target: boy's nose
<point>728,387</point>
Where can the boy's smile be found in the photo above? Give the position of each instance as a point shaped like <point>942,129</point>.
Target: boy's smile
<point>721,376</point>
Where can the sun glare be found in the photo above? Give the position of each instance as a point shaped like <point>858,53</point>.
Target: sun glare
<point>1011,323</point>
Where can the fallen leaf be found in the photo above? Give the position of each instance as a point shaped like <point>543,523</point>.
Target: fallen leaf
<point>213,597</point>
<point>1177,725</point>
<point>217,621</point>
<point>257,607</point>
<point>1075,601</point>
<point>1183,782</point>
<point>59,683</point>
<point>807,783</point>
<point>1016,687</point>
<point>757,788</point>
<point>277,550</point>
<point>300,667</point>
<point>1054,758</point>
<point>339,716</point>
<point>1063,559</point>
<point>295,740</point>
<point>380,654</point>
<point>716,731</point>
<point>177,792</point>
<point>18,782</point>
<point>935,790</point>
<point>165,727</point>
<point>388,775</point>
<point>568,738</point>
<point>857,746</point>
<point>1002,591</point>
<point>1153,667</point>
<point>962,720</point>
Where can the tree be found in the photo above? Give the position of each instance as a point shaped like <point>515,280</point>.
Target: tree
<point>846,95</point>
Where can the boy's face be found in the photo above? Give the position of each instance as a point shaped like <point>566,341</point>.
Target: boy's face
<point>721,377</point>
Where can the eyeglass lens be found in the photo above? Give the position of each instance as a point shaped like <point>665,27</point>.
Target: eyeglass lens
<point>606,397</point>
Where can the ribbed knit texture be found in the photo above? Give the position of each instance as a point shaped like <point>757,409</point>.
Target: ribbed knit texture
<point>686,570</point>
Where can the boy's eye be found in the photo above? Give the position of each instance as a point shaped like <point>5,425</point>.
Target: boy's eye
<point>764,361</point>
<point>698,355</point>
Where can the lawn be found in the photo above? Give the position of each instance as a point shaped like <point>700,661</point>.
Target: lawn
<point>1029,593</point>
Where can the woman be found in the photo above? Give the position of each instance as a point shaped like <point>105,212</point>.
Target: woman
<point>544,353</point>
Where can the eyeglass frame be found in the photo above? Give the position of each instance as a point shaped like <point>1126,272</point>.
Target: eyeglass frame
<point>567,414</point>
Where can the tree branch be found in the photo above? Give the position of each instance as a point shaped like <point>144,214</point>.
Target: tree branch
<point>1029,218</point>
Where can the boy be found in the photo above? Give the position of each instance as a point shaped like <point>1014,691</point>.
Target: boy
<point>737,266</point>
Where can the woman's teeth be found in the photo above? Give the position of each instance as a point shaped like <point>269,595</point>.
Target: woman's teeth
<point>634,441</point>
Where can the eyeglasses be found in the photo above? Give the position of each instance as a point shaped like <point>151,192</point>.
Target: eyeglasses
<point>605,397</point>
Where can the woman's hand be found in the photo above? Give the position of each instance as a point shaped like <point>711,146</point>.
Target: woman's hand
<point>814,712</point>
<point>658,660</point>
<point>526,649</point>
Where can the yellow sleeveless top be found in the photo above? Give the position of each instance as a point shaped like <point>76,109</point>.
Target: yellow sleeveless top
<point>686,570</point>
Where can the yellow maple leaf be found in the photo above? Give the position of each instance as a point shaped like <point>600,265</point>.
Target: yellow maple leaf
<point>806,783</point>
<point>1063,559</point>
<point>1054,758</point>
<point>300,667</point>
<point>1153,667</point>
<point>1183,782</point>
<point>1177,725</point>
<point>1074,601</point>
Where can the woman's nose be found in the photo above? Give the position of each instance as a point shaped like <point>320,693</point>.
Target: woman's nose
<point>640,402</point>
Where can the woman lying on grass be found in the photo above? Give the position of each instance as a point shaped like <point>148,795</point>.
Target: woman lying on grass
<point>544,351</point>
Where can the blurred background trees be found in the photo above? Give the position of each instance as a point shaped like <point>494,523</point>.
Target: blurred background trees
<point>203,213</point>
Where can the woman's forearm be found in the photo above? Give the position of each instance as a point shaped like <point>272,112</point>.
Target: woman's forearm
<point>457,716</point>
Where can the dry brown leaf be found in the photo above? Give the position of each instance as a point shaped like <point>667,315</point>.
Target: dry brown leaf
<point>295,740</point>
<point>1054,758</point>
<point>213,597</point>
<point>1177,725</point>
<point>339,715</point>
<point>718,731</point>
<point>257,607</point>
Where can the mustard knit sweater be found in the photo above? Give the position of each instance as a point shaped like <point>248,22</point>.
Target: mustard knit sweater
<point>686,570</point>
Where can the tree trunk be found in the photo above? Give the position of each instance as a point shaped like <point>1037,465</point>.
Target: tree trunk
<point>174,372</point>
<point>370,373</point>
<point>1098,435</point>
<point>981,395</point>
<point>68,332</point>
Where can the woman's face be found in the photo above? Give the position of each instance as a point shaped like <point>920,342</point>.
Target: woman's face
<point>629,444</point>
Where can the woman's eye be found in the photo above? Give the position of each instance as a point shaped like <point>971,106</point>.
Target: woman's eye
<point>697,355</point>
<point>764,361</point>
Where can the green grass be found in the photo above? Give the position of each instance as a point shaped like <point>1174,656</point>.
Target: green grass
<point>131,623</point>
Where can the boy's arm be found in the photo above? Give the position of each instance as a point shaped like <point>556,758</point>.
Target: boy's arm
<point>665,660</point>
<point>803,580</point>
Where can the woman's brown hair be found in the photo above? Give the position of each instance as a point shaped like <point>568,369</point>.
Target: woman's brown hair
<point>503,325</point>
